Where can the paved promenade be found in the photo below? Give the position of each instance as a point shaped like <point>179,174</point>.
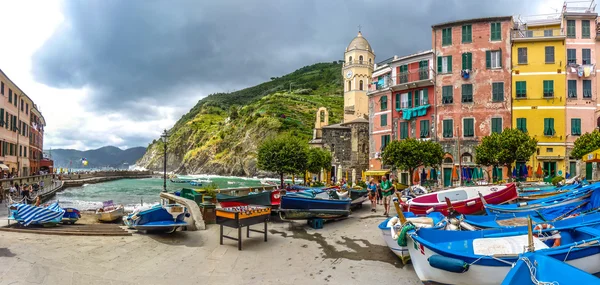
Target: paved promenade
<point>350,251</point>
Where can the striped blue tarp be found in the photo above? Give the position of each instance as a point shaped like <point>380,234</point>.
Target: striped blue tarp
<point>27,214</point>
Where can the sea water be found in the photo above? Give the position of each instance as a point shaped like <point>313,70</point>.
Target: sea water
<point>133,192</point>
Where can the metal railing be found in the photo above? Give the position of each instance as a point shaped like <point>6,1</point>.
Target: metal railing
<point>532,34</point>
<point>358,62</point>
<point>414,74</point>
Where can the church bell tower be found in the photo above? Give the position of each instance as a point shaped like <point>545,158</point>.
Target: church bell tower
<point>357,70</point>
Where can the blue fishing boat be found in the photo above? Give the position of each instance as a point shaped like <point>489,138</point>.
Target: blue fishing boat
<point>389,230</point>
<point>195,183</point>
<point>311,204</point>
<point>553,191</point>
<point>71,216</point>
<point>160,218</point>
<point>537,268</point>
<point>486,256</point>
<point>562,200</point>
<point>27,215</point>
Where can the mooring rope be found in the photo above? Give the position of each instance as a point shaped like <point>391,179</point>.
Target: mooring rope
<point>532,271</point>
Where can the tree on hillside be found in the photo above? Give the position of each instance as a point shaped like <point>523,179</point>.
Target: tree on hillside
<point>283,155</point>
<point>586,143</point>
<point>318,159</point>
<point>505,148</point>
<point>409,154</point>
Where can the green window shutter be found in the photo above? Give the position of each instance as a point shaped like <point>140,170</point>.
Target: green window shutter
<point>425,97</point>
<point>498,91</point>
<point>383,120</point>
<point>464,60</point>
<point>587,89</point>
<point>585,29</point>
<point>496,125</point>
<point>551,120</point>
<point>488,59</point>
<point>424,128</point>
<point>500,56</point>
<point>439,64</point>
<point>403,130</point>
<point>449,64</point>
<point>1,117</point>
<point>383,103</point>
<point>546,126</point>
<point>409,99</point>
<point>570,28</point>
<point>417,103</point>
<point>576,127</point>
<point>397,101</point>
<point>572,88</point>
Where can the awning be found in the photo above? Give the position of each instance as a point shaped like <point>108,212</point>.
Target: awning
<point>593,156</point>
<point>3,167</point>
<point>376,172</point>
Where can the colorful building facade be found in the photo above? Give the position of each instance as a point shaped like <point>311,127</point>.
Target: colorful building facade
<point>539,89</point>
<point>36,140</point>
<point>581,103</point>
<point>472,86</point>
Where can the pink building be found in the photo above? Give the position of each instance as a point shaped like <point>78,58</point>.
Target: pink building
<point>581,91</point>
<point>380,112</point>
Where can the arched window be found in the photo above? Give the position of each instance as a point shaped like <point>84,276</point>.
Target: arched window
<point>448,160</point>
<point>349,85</point>
<point>360,59</point>
<point>369,61</point>
<point>360,85</point>
<point>467,157</point>
<point>350,60</point>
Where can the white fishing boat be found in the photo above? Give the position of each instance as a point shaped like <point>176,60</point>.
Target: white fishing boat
<point>110,212</point>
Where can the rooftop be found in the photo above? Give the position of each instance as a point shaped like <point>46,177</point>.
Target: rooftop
<point>474,20</point>
<point>359,42</point>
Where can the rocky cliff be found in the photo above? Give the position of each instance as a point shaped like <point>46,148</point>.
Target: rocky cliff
<point>221,133</point>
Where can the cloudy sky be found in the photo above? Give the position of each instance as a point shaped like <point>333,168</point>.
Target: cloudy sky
<point>107,72</point>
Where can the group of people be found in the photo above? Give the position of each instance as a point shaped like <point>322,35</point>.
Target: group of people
<point>381,193</point>
<point>24,191</point>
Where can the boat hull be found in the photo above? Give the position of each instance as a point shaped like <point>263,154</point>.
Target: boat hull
<point>476,274</point>
<point>262,198</point>
<point>110,216</point>
<point>467,206</point>
<point>326,214</point>
<point>157,219</point>
<point>547,269</point>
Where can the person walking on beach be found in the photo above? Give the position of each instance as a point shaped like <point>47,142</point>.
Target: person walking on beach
<point>372,187</point>
<point>386,190</point>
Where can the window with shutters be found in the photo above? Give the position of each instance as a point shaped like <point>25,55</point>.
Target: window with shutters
<point>493,59</point>
<point>572,88</point>
<point>404,101</point>
<point>447,128</point>
<point>384,120</point>
<point>447,96</point>
<point>522,55</point>
<point>522,124</point>
<point>410,99</point>
<point>498,91</point>
<point>446,36</point>
<point>468,127</point>
<point>549,127</point>
<point>467,93</point>
<point>496,31</point>
<point>10,95</point>
<point>548,33</point>
<point>521,89</point>
<point>576,127</point>
<point>587,89</point>
<point>423,69</point>
<point>585,29</point>
<point>417,98</point>
<point>398,106</point>
<point>403,73</point>
<point>403,130</point>
<point>549,54</point>
<point>496,125</point>
<point>548,88</point>
<point>444,64</point>
<point>467,61</point>
<point>385,140</point>
<point>383,103</point>
<point>424,96</point>
<point>571,29</point>
<point>466,34</point>
<point>2,121</point>
<point>571,56</point>
<point>424,128</point>
<point>1,87</point>
<point>586,57</point>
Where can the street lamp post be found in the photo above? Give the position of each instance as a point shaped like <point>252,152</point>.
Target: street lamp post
<point>164,137</point>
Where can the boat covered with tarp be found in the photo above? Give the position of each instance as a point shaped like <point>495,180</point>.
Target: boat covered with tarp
<point>311,204</point>
<point>253,198</point>
<point>27,215</point>
<point>160,218</point>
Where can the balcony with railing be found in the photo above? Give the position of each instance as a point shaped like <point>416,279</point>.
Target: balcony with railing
<point>413,75</point>
<point>525,35</point>
<point>363,63</point>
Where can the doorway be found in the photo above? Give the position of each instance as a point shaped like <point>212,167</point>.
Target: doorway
<point>572,168</point>
<point>404,178</point>
<point>588,171</point>
<point>549,169</point>
<point>447,177</point>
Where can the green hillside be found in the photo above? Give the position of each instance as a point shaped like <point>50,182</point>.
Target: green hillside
<point>221,133</point>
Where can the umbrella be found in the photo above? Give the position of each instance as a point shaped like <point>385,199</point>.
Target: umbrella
<point>423,176</point>
<point>416,178</point>
<point>514,172</point>
<point>539,170</point>
<point>475,174</point>
<point>529,171</point>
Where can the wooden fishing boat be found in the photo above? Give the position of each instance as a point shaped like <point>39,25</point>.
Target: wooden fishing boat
<point>358,196</point>
<point>261,198</point>
<point>110,212</point>
<point>306,205</point>
<point>464,200</point>
<point>485,257</point>
<point>562,200</point>
<point>546,270</point>
<point>534,195</point>
<point>389,230</point>
<point>71,216</point>
<point>160,218</point>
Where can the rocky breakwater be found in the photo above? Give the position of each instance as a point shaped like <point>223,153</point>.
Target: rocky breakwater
<point>78,179</point>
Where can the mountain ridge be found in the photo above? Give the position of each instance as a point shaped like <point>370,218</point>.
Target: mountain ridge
<point>106,156</point>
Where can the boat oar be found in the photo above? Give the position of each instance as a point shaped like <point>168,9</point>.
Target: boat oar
<point>569,212</point>
<point>399,211</point>
<point>530,247</point>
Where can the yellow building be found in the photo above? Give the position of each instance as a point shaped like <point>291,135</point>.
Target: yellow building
<point>358,67</point>
<point>539,76</point>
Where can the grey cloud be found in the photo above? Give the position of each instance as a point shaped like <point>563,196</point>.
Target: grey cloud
<point>132,54</point>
